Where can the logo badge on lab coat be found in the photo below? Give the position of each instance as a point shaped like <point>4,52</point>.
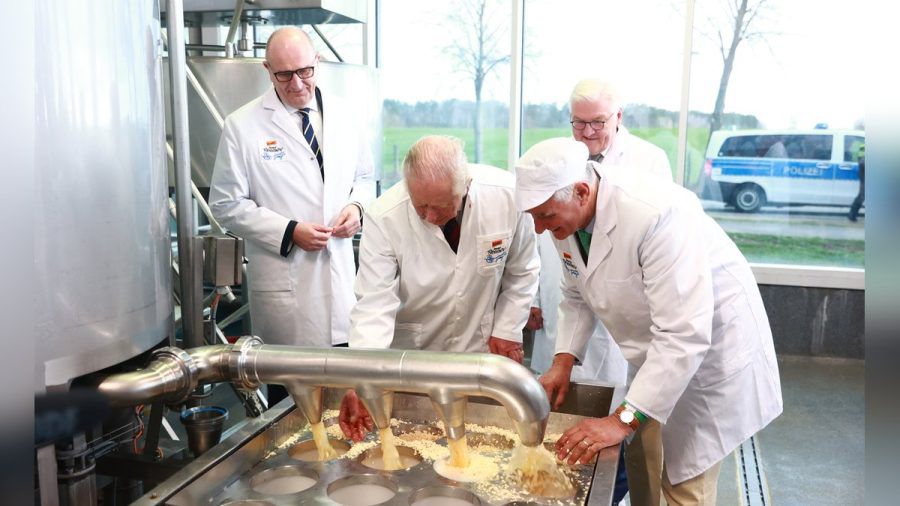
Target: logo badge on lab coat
<point>496,252</point>
<point>570,265</point>
<point>272,150</point>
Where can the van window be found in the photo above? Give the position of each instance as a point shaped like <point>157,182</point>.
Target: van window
<point>815,147</point>
<point>805,147</point>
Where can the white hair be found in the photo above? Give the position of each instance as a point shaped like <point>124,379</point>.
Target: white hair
<point>438,158</point>
<point>591,89</point>
<point>565,194</point>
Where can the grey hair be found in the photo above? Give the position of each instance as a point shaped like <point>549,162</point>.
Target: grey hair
<point>592,89</point>
<point>565,194</point>
<point>438,158</point>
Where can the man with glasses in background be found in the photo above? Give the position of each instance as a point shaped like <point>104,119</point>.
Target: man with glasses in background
<point>596,119</point>
<point>294,185</point>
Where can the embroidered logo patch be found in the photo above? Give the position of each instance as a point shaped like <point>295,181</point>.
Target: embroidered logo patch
<point>272,150</point>
<point>496,253</point>
<point>570,265</point>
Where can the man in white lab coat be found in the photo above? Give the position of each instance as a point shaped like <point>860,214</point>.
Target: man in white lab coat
<point>678,298</point>
<point>596,119</point>
<point>292,181</point>
<point>446,261</point>
<point>596,112</point>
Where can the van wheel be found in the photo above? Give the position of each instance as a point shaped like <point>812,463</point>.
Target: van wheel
<point>748,198</point>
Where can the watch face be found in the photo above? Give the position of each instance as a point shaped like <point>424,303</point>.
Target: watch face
<point>626,417</point>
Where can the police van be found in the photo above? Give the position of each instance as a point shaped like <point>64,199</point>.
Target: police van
<point>749,169</point>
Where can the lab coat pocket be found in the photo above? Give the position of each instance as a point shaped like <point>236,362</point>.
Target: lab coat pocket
<point>628,298</point>
<point>732,347</point>
<point>407,336</point>
<point>268,272</point>
<point>492,252</point>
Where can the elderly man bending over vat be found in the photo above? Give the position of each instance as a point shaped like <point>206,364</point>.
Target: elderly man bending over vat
<point>447,263</point>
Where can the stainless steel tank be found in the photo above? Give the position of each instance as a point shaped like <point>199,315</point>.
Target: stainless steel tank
<point>101,237</point>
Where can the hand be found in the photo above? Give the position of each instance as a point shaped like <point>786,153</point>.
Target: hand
<point>535,319</point>
<point>506,348</point>
<point>582,441</point>
<point>347,223</point>
<point>556,380</point>
<point>354,418</point>
<point>311,237</point>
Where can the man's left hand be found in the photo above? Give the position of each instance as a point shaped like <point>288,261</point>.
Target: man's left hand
<point>582,441</point>
<point>507,348</point>
<point>347,223</point>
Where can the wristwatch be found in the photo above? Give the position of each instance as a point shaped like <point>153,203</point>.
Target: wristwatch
<point>629,416</point>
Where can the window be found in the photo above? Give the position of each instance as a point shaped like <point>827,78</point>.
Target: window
<point>587,39</point>
<point>766,137</point>
<point>436,79</point>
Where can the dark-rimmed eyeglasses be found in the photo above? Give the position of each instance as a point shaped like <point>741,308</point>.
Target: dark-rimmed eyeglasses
<point>286,75</point>
<point>597,124</point>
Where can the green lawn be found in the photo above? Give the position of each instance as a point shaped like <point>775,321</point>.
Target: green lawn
<point>757,248</point>
<point>801,250</point>
<point>397,142</point>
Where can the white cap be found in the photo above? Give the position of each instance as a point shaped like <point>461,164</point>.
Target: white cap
<point>548,166</point>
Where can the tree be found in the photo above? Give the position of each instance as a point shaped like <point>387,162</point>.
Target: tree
<point>479,47</point>
<point>742,23</point>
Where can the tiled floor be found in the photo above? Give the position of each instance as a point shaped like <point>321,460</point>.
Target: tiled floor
<point>814,453</point>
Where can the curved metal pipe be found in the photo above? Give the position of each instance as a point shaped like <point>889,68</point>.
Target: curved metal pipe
<point>448,378</point>
<point>445,377</point>
<point>170,377</point>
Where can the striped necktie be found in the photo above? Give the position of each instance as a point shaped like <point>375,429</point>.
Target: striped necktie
<point>310,136</point>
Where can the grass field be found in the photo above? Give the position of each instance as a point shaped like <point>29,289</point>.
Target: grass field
<point>757,248</point>
<point>397,142</point>
<point>801,250</point>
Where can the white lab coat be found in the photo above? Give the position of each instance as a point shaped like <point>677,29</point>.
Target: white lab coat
<point>683,305</point>
<point>266,175</point>
<point>634,153</point>
<point>603,363</point>
<point>415,293</point>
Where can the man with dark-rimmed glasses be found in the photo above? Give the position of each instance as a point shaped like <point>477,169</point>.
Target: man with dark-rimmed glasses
<point>293,185</point>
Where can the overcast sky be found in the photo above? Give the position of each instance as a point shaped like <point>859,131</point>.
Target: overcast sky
<point>805,73</point>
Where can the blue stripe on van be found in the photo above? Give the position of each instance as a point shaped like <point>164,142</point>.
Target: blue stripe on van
<point>795,169</point>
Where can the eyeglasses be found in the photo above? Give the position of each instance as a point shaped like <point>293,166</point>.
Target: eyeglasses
<point>595,124</point>
<point>287,75</point>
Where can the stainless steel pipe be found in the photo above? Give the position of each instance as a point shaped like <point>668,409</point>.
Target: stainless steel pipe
<point>447,378</point>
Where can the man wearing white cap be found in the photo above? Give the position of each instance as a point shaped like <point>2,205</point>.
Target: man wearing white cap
<point>678,298</point>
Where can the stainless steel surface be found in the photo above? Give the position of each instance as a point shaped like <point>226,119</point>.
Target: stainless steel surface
<point>101,240</point>
<point>375,374</point>
<point>223,474</point>
<point>191,291</point>
<point>170,376</point>
<point>45,462</point>
<point>232,30</point>
<point>223,259</point>
<point>225,84</point>
<point>328,44</point>
<point>278,12</point>
<point>214,224</point>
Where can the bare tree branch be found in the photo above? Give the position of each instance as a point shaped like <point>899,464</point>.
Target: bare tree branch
<point>479,47</point>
